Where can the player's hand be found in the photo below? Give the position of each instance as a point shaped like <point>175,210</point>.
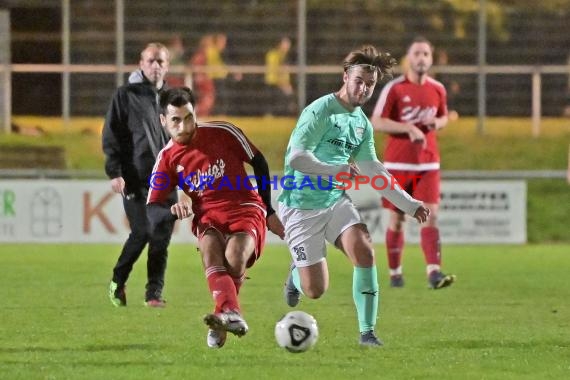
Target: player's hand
<point>274,225</point>
<point>417,136</point>
<point>354,170</point>
<point>181,209</point>
<point>422,214</point>
<point>118,185</point>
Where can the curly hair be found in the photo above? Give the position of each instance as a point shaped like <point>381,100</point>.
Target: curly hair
<point>367,55</point>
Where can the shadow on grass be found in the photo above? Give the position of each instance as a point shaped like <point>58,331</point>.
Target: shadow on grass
<point>88,348</point>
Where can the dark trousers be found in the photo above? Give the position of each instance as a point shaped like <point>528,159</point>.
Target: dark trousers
<point>140,235</point>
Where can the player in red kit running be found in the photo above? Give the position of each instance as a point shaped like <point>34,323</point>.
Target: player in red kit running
<point>411,109</point>
<point>207,161</point>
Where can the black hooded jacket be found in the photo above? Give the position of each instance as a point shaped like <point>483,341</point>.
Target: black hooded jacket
<point>132,134</point>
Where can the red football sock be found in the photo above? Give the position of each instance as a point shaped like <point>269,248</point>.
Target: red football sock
<point>431,245</point>
<point>394,246</point>
<point>222,288</point>
<point>238,281</point>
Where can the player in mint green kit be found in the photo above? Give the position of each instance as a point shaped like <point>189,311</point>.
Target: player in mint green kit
<point>332,136</point>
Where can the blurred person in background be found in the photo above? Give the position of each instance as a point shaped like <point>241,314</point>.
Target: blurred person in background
<point>202,83</point>
<point>411,109</point>
<point>280,98</point>
<point>132,138</point>
<point>177,53</point>
<point>219,72</point>
<point>452,86</point>
<point>334,137</point>
<point>229,217</point>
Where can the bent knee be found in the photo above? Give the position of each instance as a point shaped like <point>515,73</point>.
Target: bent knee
<point>314,292</point>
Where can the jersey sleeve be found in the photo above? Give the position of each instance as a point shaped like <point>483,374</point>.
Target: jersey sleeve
<point>442,106</point>
<point>309,131</point>
<point>240,144</point>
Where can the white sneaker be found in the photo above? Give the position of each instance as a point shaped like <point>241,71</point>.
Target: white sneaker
<point>230,321</point>
<point>216,338</point>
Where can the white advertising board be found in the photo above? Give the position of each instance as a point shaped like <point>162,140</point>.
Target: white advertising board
<point>89,212</point>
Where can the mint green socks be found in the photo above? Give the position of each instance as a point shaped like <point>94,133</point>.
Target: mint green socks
<point>366,296</point>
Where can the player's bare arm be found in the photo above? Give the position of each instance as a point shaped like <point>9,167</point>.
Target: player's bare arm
<point>274,225</point>
<point>435,123</point>
<point>386,125</point>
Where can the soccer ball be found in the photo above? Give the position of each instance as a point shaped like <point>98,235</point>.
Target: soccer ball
<point>297,331</point>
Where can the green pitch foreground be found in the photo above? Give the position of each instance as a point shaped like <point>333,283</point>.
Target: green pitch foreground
<point>507,317</point>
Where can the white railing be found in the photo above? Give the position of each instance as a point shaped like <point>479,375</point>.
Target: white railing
<point>535,73</point>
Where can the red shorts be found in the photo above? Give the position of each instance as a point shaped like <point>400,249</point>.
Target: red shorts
<point>231,219</point>
<point>423,186</point>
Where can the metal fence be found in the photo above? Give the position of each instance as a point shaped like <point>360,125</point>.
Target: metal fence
<point>502,57</point>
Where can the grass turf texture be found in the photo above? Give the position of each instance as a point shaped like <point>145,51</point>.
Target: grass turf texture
<point>508,317</point>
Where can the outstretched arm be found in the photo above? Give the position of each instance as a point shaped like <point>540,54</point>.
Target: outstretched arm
<point>394,193</point>
<point>261,171</point>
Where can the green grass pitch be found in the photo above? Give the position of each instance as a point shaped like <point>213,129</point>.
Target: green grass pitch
<point>507,317</point>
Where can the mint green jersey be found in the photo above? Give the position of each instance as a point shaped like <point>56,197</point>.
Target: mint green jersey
<point>333,135</point>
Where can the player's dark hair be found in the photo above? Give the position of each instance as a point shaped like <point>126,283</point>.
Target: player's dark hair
<point>420,40</point>
<point>177,97</point>
<point>368,57</point>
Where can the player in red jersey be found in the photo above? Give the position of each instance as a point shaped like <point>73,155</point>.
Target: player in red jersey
<point>229,216</point>
<point>411,109</point>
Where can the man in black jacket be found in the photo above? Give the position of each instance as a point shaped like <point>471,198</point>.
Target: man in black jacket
<point>132,138</point>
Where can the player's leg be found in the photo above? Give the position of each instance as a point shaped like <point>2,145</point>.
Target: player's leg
<point>156,263</point>
<point>395,246</point>
<point>353,239</point>
<point>305,237</point>
<point>135,209</point>
<point>212,248</point>
<point>159,240</point>
<point>428,190</point>
<point>240,248</point>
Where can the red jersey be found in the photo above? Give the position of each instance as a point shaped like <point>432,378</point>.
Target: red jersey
<point>407,102</point>
<point>210,170</point>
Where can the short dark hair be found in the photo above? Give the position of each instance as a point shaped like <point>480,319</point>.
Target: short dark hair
<point>177,97</point>
<point>367,55</point>
<point>421,40</point>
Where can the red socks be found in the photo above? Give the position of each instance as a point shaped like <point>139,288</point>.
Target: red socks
<point>431,245</point>
<point>394,245</point>
<point>223,289</point>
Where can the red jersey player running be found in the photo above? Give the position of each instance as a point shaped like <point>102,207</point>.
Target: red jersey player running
<point>411,109</point>
<point>230,217</point>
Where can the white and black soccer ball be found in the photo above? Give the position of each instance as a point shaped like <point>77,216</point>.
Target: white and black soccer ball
<point>297,331</point>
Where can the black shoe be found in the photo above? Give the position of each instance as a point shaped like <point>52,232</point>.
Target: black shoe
<point>369,339</point>
<point>397,281</point>
<point>439,280</point>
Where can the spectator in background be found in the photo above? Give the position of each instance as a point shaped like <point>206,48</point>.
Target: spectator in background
<point>411,109</point>
<point>280,96</point>
<point>202,83</point>
<point>132,138</point>
<point>176,49</point>
<point>218,71</point>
